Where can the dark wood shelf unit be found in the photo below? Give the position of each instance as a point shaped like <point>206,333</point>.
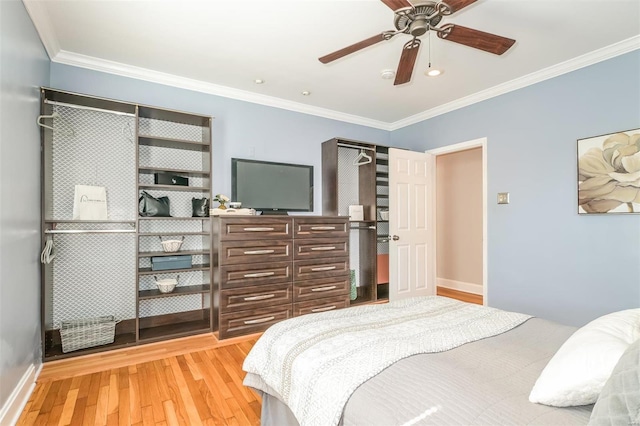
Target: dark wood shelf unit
<point>173,253</point>
<point>171,234</point>
<point>371,179</point>
<point>173,143</point>
<point>181,172</point>
<point>148,271</point>
<point>173,331</point>
<point>159,137</point>
<point>171,218</point>
<point>88,101</point>
<point>108,221</point>
<point>178,291</point>
<point>154,187</point>
<point>174,116</point>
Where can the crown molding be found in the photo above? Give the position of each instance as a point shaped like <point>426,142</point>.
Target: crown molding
<point>40,18</point>
<point>118,68</point>
<point>608,52</point>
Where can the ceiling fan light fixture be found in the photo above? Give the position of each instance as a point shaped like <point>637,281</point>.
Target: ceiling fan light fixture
<point>387,74</point>
<point>433,72</point>
<point>258,81</point>
<point>306,93</point>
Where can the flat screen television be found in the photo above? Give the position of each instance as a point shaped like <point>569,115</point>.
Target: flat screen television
<point>273,188</point>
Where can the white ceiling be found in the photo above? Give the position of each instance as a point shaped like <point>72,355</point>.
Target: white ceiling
<point>223,46</point>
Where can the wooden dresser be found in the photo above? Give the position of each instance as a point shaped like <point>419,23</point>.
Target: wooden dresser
<point>270,268</point>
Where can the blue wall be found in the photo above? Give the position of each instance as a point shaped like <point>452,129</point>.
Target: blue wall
<point>238,127</point>
<point>25,67</point>
<point>545,259</point>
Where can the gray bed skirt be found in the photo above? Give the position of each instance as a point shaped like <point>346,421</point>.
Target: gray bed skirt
<point>481,383</point>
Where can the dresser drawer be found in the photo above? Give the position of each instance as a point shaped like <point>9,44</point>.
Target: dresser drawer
<point>238,228</point>
<point>319,227</point>
<point>320,268</point>
<point>316,289</point>
<point>234,276</point>
<point>320,305</point>
<point>255,297</point>
<point>235,252</point>
<point>315,248</point>
<point>252,321</point>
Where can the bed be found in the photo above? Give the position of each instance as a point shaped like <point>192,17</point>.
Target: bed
<point>484,377</point>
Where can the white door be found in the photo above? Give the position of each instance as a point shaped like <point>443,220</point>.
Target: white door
<point>410,259</point>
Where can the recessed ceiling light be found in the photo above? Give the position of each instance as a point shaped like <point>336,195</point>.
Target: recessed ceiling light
<point>433,72</point>
<point>258,81</point>
<point>306,93</point>
<point>387,74</point>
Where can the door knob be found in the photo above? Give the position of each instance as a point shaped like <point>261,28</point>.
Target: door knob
<point>395,238</point>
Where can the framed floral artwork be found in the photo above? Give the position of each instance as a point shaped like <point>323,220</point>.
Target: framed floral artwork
<point>609,173</point>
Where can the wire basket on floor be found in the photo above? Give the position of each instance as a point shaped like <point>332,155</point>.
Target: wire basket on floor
<point>87,333</point>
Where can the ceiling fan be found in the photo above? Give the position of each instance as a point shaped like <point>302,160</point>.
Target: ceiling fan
<point>416,20</point>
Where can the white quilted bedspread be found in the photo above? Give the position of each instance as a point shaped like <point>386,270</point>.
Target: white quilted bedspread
<point>315,362</point>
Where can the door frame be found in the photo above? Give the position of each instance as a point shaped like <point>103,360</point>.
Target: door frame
<point>462,146</point>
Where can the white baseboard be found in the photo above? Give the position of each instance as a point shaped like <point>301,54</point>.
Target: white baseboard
<point>12,409</point>
<point>460,286</point>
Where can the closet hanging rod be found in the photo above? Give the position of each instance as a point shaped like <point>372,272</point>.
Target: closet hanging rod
<point>355,146</point>
<point>128,114</point>
<point>89,231</point>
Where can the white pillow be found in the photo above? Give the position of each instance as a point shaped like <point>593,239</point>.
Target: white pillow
<point>577,372</point>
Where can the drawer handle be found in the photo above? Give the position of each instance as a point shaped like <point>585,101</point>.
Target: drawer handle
<point>259,274</point>
<point>325,288</point>
<point>260,297</point>
<point>259,251</point>
<point>259,320</point>
<point>326,308</point>
<point>259,229</point>
<point>322,248</point>
<point>324,268</point>
<point>323,228</point>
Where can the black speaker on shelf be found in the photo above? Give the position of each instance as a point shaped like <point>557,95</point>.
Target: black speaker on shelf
<point>170,179</point>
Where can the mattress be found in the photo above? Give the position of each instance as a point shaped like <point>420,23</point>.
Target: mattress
<point>486,382</point>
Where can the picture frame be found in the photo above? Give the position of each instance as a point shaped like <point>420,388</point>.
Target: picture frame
<point>609,173</point>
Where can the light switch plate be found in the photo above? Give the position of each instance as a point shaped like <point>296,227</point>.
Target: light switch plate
<point>503,198</point>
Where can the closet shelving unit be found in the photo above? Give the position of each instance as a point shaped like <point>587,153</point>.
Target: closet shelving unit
<point>89,141</point>
<point>102,267</point>
<point>177,143</point>
<point>344,184</point>
<point>382,225</point>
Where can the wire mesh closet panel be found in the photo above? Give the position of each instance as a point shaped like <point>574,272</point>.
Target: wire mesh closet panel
<point>101,152</point>
<point>93,272</point>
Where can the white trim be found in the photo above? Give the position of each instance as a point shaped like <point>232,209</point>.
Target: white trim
<point>40,17</point>
<point>462,146</point>
<point>582,61</point>
<point>12,409</point>
<point>460,286</point>
<point>118,68</point>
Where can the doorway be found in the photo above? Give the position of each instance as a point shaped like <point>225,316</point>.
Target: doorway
<point>459,204</point>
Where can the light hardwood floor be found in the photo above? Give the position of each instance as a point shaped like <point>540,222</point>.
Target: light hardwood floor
<point>190,381</point>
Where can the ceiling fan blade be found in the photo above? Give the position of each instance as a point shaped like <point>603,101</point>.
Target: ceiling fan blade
<point>353,48</point>
<point>407,61</point>
<point>456,5</point>
<point>397,4</point>
<point>474,38</point>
